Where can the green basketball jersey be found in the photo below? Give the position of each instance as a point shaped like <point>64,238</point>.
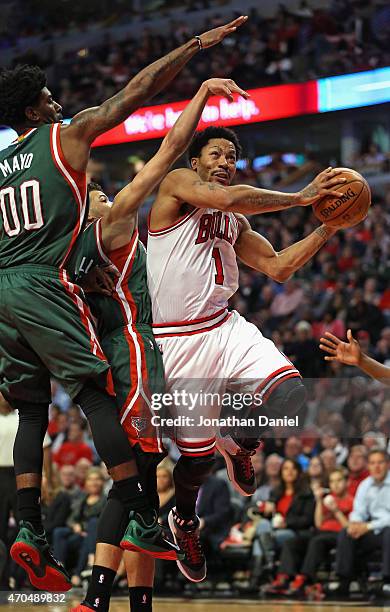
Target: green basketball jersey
<point>130,302</point>
<point>42,200</point>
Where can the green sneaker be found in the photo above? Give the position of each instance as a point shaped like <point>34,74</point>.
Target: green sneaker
<point>32,552</point>
<point>149,538</point>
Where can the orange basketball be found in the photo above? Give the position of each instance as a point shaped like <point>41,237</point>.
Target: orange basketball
<point>353,205</point>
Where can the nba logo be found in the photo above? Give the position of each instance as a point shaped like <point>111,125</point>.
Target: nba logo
<point>97,602</point>
<point>101,578</point>
<point>144,598</point>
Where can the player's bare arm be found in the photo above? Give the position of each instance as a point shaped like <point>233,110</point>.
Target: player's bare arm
<point>186,186</point>
<point>258,253</point>
<point>350,353</point>
<point>120,222</point>
<point>77,138</point>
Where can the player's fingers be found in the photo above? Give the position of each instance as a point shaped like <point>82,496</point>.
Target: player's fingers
<point>330,336</point>
<point>329,182</point>
<point>236,23</point>
<point>236,89</point>
<point>350,336</point>
<point>328,349</point>
<point>330,192</point>
<point>330,358</point>
<point>335,171</point>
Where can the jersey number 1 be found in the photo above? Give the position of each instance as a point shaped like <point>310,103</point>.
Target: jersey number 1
<point>219,277</point>
<point>30,200</point>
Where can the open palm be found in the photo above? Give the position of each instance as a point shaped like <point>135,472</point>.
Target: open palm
<point>344,352</point>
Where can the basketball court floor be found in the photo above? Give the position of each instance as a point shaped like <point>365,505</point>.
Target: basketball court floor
<point>230,605</point>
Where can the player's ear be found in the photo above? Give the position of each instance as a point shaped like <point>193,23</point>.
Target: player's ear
<point>32,114</point>
<point>194,163</point>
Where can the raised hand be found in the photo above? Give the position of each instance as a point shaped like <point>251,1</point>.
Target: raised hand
<point>225,88</point>
<point>215,36</point>
<point>344,352</point>
<point>324,184</point>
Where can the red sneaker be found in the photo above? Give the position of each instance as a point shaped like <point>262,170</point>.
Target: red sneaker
<point>278,586</point>
<point>297,586</point>
<point>315,592</point>
<point>32,552</point>
<point>80,608</point>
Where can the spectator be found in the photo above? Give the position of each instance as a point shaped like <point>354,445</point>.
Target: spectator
<point>287,300</point>
<point>60,426</point>
<point>329,440</point>
<point>374,439</point>
<point>357,467</point>
<point>8,426</point>
<point>316,473</point>
<point>215,512</point>
<point>303,351</point>
<point>291,506</point>
<point>58,510</point>
<point>293,450</point>
<point>329,459</point>
<point>302,556</point>
<point>82,468</point>
<point>272,479</point>
<point>74,448</point>
<point>369,524</point>
<point>79,536</point>
<point>165,490</point>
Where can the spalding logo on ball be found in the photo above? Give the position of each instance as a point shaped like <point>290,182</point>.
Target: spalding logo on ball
<point>351,208</point>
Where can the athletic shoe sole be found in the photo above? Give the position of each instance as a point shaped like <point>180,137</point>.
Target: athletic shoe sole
<point>182,568</point>
<point>139,546</point>
<point>230,471</point>
<point>41,575</point>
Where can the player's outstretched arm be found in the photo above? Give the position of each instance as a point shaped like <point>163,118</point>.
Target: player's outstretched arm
<point>186,186</point>
<point>257,253</point>
<point>92,122</point>
<point>350,353</point>
<point>119,224</point>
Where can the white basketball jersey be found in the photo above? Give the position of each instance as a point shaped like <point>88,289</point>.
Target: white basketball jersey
<point>192,266</point>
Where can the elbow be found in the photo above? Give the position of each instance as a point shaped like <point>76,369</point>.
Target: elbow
<point>225,201</point>
<point>281,276</point>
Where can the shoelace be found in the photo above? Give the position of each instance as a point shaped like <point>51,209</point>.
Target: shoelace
<point>245,463</point>
<point>192,548</point>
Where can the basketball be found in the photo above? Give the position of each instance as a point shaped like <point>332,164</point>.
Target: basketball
<point>353,205</point>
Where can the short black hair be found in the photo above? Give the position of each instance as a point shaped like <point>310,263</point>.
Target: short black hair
<point>94,187</point>
<point>201,139</point>
<point>19,88</point>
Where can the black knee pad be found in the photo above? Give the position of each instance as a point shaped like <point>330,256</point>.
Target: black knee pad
<point>191,472</point>
<point>287,400</point>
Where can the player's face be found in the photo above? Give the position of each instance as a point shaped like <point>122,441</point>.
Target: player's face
<point>99,205</point>
<point>217,161</point>
<point>46,111</point>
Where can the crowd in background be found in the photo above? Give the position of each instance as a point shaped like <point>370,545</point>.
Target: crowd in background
<point>259,545</point>
<point>304,44</point>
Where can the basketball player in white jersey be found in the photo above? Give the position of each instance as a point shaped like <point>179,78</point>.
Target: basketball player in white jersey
<point>196,231</point>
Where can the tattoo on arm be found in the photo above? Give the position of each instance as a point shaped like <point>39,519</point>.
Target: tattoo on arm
<point>323,233</point>
<point>268,199</point>
<point>210,186</point>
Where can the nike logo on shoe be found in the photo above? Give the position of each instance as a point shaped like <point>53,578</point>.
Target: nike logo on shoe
<point>175,546</point>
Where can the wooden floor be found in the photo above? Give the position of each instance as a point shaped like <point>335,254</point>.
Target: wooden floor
<point>177,605</point>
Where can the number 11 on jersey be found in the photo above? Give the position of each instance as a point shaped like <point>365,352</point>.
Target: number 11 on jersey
<point>219,278</point>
